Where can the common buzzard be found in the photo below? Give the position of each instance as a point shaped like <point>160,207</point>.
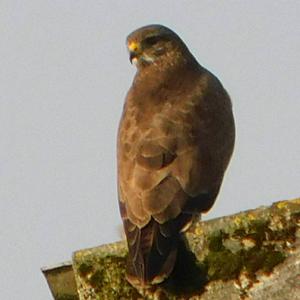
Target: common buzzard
<point>175,140</point>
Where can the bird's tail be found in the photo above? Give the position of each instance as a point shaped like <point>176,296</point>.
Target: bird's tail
<point>152,252</point>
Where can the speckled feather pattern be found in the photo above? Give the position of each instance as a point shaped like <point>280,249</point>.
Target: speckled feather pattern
<point>175,140</point>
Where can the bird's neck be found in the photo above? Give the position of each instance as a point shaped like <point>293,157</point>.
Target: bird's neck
<point>158,73</point>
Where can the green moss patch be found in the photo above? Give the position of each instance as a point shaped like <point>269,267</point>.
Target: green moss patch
<point>67,297</point>
<point>266,252</point>
<point>107,278</point>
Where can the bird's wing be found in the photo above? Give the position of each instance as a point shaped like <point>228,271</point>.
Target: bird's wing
<point>158,176</point>
<point>147,184</point>
<point>165,168</point>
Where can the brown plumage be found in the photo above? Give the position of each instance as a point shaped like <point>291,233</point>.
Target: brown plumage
<point>175,140</point>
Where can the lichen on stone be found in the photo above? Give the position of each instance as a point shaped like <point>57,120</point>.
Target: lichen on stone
<point>106,277</point>
<point>266,251</point>
<point>236,252</point>
<point>66,297</point>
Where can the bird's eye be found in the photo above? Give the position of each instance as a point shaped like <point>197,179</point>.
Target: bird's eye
<point>152,40</point>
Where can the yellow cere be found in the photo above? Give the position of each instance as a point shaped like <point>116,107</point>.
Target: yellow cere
<point>133,46</point>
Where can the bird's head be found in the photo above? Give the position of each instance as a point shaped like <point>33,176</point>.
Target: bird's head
<point>155,45</point>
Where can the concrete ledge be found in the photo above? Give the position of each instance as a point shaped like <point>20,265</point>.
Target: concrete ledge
<point>250,255</point>
<point>61,281</point>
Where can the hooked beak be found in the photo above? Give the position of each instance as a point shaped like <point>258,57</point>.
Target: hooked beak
<point>134,51</point>
<point>132,56</point>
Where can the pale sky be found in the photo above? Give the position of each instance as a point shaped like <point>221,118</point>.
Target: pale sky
<point>64,72</point>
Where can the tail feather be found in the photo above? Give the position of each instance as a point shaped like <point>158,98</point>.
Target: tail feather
<point>152,253</point>
<point>153,249</point>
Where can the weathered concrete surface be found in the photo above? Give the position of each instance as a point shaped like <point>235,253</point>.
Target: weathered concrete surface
<point>250,255</point>
<point>61,281</point>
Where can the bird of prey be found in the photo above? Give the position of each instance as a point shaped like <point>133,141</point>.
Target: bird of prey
<point>175,140</point>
